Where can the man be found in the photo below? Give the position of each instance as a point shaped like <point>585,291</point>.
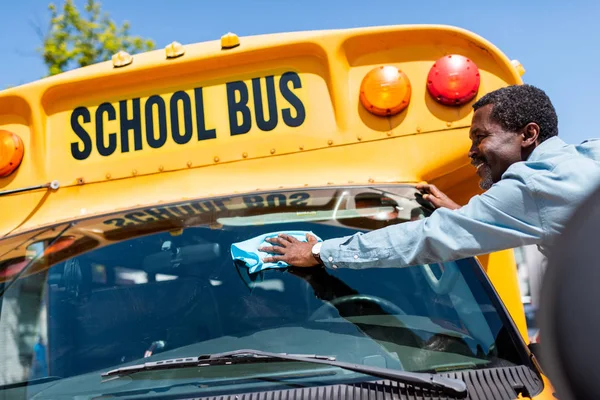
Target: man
<point>533,181</point>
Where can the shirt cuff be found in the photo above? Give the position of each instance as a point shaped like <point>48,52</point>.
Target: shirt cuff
<point>338,253</point>
<point>329,252</point>
<point>345,253</point>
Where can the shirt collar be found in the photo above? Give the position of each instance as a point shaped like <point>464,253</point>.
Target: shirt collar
<point>547,146</point>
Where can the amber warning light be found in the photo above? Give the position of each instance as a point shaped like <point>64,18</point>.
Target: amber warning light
<point>11,152</point>
<point>453,80</point>
<point>385,91</point>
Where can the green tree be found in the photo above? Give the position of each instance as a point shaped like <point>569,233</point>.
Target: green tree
<point>76,40</point>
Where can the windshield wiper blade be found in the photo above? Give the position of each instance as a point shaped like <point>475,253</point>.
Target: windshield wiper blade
<point>227,358</point>
<point>424,380</point>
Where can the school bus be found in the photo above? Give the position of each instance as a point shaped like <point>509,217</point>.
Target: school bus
<point>127,185</point>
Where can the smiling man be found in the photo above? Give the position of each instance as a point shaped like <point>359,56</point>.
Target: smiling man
<point>533,182</point>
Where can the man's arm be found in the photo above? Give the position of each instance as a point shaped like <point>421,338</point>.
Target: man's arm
<point>504,217</point>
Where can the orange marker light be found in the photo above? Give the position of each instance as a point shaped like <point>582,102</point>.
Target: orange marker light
<point>385,91</point>
<point>61,244</point>
<point>11,153</point>
<point>453,80</point>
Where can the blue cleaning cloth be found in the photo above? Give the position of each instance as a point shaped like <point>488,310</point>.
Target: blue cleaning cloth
<point>247,251</point>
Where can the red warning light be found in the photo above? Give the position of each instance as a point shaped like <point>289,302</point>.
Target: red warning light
<point>453,80</point>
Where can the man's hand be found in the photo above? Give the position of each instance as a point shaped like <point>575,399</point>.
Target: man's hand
<point>432,194</point>
<point>292,251</point>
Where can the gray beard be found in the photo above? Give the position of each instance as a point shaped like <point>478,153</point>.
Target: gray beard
<point>486,181</point>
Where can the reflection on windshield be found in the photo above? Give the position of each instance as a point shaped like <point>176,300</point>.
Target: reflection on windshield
<point>176,292</point>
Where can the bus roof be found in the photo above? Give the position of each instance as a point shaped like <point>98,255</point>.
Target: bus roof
<point>237,115</point>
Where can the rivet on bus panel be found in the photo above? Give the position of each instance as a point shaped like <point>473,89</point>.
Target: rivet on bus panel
<point>80,181</point>
<point>301,147</point>
<point>359,138</point>
<point>330,142</point>
<point>189,164</point>
<point>245,155</point>
<point>134,172</point>
<point>272,151</point>
<point>229,41</point>
<point>161,168</point>
<point>418,129</point>
<point>121,59</point>
<point>108,176</point>
<point>217,159</point>
<point>371,180</point>
<point>448,124</point>
<point>389,133</point>
<point>174,50</point>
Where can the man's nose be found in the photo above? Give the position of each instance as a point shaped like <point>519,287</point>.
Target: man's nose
<point>472,151</point>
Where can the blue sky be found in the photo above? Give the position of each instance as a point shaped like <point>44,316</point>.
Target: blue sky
<point>557,42</point>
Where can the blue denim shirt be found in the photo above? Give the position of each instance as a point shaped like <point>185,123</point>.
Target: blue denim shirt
<point>529,205</point>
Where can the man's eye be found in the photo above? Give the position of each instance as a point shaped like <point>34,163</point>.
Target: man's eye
<point>477,138</point>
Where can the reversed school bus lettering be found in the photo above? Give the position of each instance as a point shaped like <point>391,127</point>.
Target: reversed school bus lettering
<point>276,200</point>
<point>158,112</point>
<point>219,205</point>
<point>162,213</point>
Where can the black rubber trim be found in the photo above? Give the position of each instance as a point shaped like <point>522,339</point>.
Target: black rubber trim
<point>489,384</point>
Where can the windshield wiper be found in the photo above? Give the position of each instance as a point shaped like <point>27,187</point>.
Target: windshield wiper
<point>430,381</point>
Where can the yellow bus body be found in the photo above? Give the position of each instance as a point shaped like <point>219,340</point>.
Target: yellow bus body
<point>319,135</point>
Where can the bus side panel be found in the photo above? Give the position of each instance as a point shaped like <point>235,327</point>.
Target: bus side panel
<point>502,271</point>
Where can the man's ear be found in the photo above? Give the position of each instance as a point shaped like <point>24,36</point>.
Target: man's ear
<point>530,134</point>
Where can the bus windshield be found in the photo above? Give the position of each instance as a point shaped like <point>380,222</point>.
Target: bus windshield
<point>161,283</point>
